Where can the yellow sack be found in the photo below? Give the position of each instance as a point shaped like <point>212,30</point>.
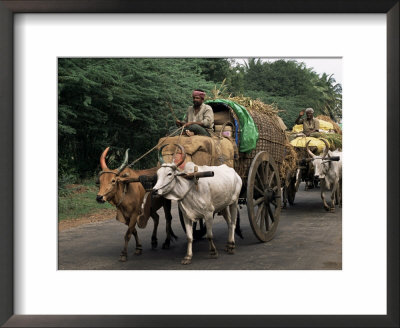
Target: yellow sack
<point>301,142</point>
<point>323,125</point>
<point>298,128</point>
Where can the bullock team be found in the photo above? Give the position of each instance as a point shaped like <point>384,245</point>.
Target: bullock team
<point>196,198</point>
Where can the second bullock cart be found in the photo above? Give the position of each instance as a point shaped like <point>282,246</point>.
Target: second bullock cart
<point>253,143</point>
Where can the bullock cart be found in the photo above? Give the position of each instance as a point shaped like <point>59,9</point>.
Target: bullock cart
<point>306,146</point>
<point>253,143</point>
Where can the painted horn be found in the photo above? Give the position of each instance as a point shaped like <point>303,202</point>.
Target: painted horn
<point>103,159</point>
<point>182,157</point>
<point>125,162</point>
<point>160,157</point>
<point>309,151</point>
<point>326,148</point>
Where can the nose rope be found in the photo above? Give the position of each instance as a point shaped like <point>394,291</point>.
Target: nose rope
<point>166,184</point>
<point>123,196</point>
<point>108,191</point>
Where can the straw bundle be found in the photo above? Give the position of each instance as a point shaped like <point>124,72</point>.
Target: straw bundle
<point>247,102</point>
<point>255,105</point>
<point>289,164</point>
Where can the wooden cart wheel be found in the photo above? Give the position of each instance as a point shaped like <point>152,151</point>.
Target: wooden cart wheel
<point>264,196</point>
<point>199,227</point>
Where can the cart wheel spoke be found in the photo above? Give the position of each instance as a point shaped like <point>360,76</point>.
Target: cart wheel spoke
<point>266,171</point>
<point>270,212</point>
<point>260,180</point>
<point>267,225</point>
<point>259,190</point>
<point>258,201</point>
<point>259,210</point>
<point>270,179</point>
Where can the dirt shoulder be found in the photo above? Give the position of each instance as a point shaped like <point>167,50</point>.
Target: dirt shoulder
<point>102,215</point>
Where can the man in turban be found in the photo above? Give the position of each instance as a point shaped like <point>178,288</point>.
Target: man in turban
<point>199,118</point>
<point>310,124</point>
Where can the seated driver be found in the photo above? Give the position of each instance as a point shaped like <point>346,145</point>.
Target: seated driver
<point>200,117</point>
<point>310,124</point>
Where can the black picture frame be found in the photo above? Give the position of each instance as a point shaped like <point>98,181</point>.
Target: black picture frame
<point>7,198</point>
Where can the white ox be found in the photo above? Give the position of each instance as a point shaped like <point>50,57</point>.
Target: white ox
<point>201,198</point>
<point>328,169</point>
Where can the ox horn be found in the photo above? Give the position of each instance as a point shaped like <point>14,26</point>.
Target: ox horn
<point>103,159</point>
<point>160,157</point>
<point>124,163</point>
<point>183,155</point>
<point>309,151</point>
<point>326,148</point>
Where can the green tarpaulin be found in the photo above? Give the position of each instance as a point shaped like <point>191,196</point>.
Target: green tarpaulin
<point>248,129</point>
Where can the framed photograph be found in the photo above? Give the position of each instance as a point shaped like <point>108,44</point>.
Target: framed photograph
<point>37,291</point>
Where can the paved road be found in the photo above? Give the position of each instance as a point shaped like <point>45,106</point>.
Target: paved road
<point>308,238</point>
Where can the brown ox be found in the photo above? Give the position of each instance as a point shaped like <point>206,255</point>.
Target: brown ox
<point>128,199</point>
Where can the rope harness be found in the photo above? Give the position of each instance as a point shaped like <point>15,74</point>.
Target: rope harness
<point>149,151</point>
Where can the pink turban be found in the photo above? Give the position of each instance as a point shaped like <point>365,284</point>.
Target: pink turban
<point>201,94</point>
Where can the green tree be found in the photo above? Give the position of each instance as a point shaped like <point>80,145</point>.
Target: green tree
<point>292,86</point>
<point>120,103</point>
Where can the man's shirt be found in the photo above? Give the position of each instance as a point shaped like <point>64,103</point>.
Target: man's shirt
<point>205,115</point>
<point>309,125</point>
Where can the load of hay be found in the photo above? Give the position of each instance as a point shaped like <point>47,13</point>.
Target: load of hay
<point>269,132</point>
<point>258,106</point>
<point>255,105</point>
<point>251,104</point>
<point>289,165</point>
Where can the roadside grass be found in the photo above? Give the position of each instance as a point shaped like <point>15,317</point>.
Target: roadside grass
<point>77,200</point>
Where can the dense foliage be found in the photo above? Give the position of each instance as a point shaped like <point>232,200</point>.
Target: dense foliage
<point>126,102</point>
<point>291,86</point>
